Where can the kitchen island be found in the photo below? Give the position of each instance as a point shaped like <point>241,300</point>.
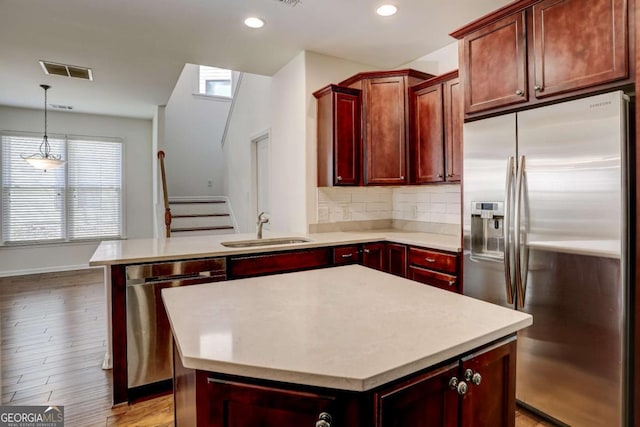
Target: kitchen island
<point>342,346</point>
<point>138,342</point>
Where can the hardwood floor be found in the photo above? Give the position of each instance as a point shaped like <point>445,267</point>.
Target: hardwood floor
<point>53,341</point>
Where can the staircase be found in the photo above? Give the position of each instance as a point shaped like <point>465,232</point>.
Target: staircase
<point>200,217</point>
<point>184,216</point>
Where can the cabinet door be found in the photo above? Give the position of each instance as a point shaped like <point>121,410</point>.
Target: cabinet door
<point>373,255</point>
<point>578,45</point>
<point>233,404</point>
<point>346,255</point>
<point>346,139</point>
<point>453,119</point>
<point>419,402</point>
<point>490,399</point>
<point>397,259</point>
<point>427,142</point>
<point>256,265</point>
<point>385,130</point>
<point>495,65</point>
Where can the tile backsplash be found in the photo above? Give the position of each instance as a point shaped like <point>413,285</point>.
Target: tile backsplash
<point>426,203</point>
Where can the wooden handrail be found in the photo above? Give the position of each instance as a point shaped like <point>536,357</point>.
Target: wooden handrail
<point>167,210</point>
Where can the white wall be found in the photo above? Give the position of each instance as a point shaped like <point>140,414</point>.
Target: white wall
<point>251,116</point>
<point>193,132</point>
<point>136,135</point>
<point>437,62</point>
<point>288,151</point>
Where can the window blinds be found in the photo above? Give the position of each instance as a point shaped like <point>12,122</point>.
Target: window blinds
<point>81,200</point>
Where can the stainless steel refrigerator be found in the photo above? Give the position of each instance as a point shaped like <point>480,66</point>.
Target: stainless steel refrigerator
<point>545,231</point>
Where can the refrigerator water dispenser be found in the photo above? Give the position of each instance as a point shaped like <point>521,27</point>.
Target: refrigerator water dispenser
<point>487,232</point>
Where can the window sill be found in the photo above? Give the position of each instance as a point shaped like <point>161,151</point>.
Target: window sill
<point>212,97</point>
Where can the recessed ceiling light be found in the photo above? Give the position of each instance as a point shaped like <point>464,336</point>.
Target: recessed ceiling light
<point>386,10</point>
<point>253,22</point>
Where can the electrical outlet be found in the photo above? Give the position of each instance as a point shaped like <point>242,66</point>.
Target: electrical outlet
<point>210,183</point>
<point>414,211</point>
<point>323,213</point>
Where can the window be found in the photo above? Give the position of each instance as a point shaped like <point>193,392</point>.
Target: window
<point>215,81</point>
<point>80,200</point>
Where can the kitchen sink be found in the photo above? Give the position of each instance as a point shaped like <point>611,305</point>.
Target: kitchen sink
<point>264,242</point>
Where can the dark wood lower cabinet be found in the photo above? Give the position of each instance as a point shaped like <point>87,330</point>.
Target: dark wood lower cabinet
<point>373,255</point>
<point>476,389</point>
<point>422,401</point>
<point>279,262</point>
<point>433,278</point>
<point>397,259</point>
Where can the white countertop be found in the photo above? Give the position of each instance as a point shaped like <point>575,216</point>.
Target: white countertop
<point>115,252</point>
<point>349,328</point>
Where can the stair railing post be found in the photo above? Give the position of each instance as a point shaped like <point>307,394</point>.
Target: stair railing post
<point>167,210</point>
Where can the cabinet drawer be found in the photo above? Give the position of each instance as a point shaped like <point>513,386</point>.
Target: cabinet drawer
<point>255,265</point>
<point>433,278</point>
<point>346,254</point>
<point>433,260</point>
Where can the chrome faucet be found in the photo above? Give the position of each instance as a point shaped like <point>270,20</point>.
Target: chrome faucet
<point>261,221</point>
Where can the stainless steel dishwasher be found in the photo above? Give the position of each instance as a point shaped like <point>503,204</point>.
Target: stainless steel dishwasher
<point>149,342</point>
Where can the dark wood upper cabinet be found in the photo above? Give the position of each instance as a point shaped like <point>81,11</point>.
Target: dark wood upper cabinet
<point>495,65</point>
<point>427,142</point>
<point>339,136</point>
<point>385,130</point>
<point>577,46</point>
<point>534,51</point>
<point>436,130</point>
<point>453,120</point>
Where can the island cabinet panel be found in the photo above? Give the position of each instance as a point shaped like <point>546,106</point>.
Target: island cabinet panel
<point>426,400</point>
<point>339,141</point>
<point>271,263</point>
<point>373,255</point>
<point>495,65</point>
<point>477,390</point>
<point>234,404</point>
<point>385,130</point>
<point>491,378</point>
<point>396,259</point>
<point>347,254</point>
<point>577,46</point>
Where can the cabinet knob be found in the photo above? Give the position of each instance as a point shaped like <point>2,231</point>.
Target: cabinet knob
<point>474,377</point>
<point>366,251</point>
<point>452,282</point>
<point>453,383</point>
<point>401,176</point>
<point>449,175</point>
<point>462,388</point>
<point>339,178</point>
<point>520,92</point>
<point>324,420</point>
<point>439,175</point>
<point>537,88</point>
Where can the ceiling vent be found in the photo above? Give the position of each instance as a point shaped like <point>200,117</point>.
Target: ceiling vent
<point>53,68</point>
<point>289,2</point>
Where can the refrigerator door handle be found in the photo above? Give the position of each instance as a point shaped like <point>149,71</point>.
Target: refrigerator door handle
<point>507,228</point>
<point>521,265</point>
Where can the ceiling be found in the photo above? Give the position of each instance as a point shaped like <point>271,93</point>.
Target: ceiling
<point>138,48</point>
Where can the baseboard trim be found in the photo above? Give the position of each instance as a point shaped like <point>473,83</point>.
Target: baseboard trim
<point>52,269</point>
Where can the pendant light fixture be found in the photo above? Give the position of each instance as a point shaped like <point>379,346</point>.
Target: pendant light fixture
<point>44,159</point>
